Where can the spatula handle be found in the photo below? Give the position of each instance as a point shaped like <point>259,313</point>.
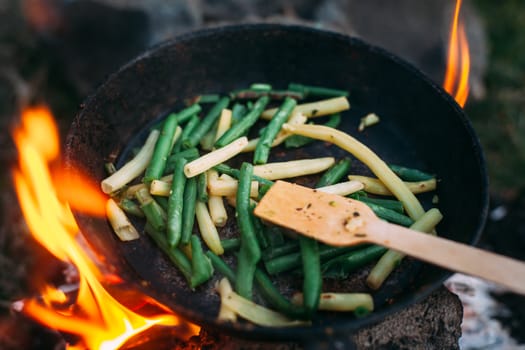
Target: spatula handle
<point>452,255</point>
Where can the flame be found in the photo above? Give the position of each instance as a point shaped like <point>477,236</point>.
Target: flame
<point>98,319</point>
<point>458,61</point>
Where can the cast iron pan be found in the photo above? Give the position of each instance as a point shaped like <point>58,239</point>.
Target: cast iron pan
<point>421,126</point>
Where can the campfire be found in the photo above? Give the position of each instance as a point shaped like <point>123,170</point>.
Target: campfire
<point>96,318</point>
<point>95,310</point>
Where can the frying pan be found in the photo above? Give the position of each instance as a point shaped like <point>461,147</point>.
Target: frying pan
<point>421,126</point>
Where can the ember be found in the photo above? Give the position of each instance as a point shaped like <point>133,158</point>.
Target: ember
<point>94,315</point>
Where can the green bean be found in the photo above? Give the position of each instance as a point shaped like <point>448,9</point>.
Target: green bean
<point>188,209</point>
<point>110,168</point>
<point>221,266</point>
<point>162,201</point>
<point>291,261</point>
<point>275,235</point>
<point>262,150</point>
<point>188,112</point>
<point>188,129</point>
<point>309,90</point>
<point>244,124</point>
<point>312,280</point>
<point>259,231</point>
<point>230,244</point>
<point>238,111</point>
<point>206,124</point>
<point>174,254</point>
<point>183,116</point>
<point>155,215</point>
<point>190,153</point>
<point>385,203</point>
<point>341,266</point>
<point>201,267</point>
<point>202,187</point>
<point>358,195</point>
<point>175,203</point>
<point>162,149</point>
<point>245,274</point>
<point>250,252</point>
<point>225,169</point>
<point>409,174</point>
<point>335,173</point>
<point>272,94</point>
<point>284,249</point>
<point>272,295</point>
<point>209,98</point>
<point>130,207</point>
<point>260,87</point>
<point>390,215</point>
<point>296,141</point>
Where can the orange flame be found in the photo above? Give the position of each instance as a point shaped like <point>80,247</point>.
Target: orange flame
<point>96,317</point>
<point>458,61</point>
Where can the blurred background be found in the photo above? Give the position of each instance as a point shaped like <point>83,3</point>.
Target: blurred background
<point>58,51</point>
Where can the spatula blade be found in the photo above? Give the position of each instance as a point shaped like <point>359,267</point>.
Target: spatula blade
<point>330,218</point>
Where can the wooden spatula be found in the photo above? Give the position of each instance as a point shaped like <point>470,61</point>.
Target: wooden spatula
<point>341,221</point>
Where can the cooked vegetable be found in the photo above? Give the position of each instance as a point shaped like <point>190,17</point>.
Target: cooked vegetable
<point>120,223</point>
<point>225,121</point>
<point>294,141</point>
<point>335,173</point>
<point>309,90</point>
<point>255,313</point>
<point>207,229</point>
<point>175,203</point>
<point>202,187</point>
<point>188,209</point>
<point>312,280</point>
<point>368,120</point>
<point>341,301</point>
<point>133,168</point>
<point>155,215</point>
<point>162,150</point>
<point>262,151</point>
<point>197,181</point>
<point>315,109</point>
<point>216,203</point>
<point>218,156</point>
<point>130,207</point>
<point>293,168</point>
<point>187,113</point>
<point>375,186</point>
<point>224,169</point>
<point>241,128</point>
<point>201,267</point>
<point>249,253</point>
<point>409,174</point>
<point>206,123</point>
<point>228,187</point>
<point>385,203</point>
<point>343,188</point>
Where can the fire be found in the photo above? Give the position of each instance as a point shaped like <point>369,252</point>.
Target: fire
<point>458,61</point>
<point>98,319</point>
